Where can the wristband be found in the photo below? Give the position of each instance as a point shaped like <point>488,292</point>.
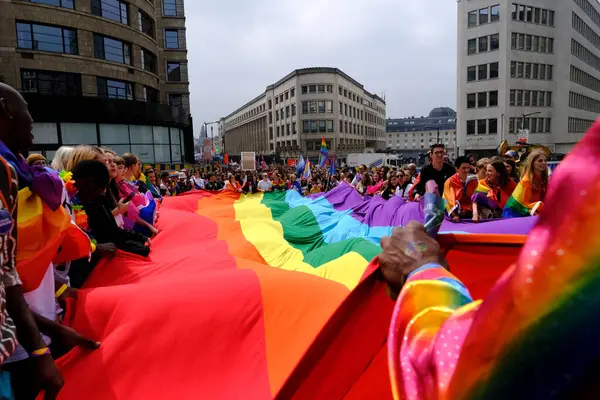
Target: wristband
<point>92,247</point>
<point>61,290</point>
<point>40,352</point>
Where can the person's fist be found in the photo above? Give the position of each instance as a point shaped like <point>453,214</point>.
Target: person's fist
<point>406,250</point>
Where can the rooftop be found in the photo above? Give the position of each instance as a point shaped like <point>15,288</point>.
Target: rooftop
<point>443,118</point>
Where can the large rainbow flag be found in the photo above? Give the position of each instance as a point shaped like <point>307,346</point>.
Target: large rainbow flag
<point>254,297</point>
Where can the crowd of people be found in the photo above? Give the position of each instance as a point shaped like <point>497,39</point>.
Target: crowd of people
<point>115,203</point>
<point>474,189</point>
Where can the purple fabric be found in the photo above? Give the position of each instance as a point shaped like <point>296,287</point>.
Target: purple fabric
<point>375,211</point>
<point>482,200</point>
<point>47,184</point>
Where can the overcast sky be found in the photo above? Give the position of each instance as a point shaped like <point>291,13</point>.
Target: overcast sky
<point>403,49</point>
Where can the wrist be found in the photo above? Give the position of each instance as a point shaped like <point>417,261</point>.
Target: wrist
<point>41,352</point>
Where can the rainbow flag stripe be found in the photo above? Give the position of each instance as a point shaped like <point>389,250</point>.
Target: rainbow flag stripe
<point>243,296</point>
<point>534,335</point>
<point>521,203</point>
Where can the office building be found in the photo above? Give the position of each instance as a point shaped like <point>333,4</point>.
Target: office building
<point>102,72</point>
<point>412,137</point>
<point>527,66</point>
<point>292,115</point>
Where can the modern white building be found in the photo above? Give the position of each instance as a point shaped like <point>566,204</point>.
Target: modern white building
<point>527,66</point>
<point>292,116</point>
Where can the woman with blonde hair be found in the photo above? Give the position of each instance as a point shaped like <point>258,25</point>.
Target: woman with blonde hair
<point>481,168</point>
<point>528,197</point>
<point>61,157</point>
<point>84,152</point>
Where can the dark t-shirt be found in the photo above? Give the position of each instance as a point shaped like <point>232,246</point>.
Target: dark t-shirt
<point>440,177</point>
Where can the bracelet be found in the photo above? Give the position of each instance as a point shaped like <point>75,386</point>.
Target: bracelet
<point>61,290</point>
<point>40,352</point>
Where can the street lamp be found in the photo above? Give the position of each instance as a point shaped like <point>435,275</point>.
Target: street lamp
<point>527,115</point>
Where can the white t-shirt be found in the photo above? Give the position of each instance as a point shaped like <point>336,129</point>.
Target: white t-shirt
<point>263,185</point>
<point>42,302</point>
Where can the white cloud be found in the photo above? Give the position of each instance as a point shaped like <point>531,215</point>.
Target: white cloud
<point>403,48</point>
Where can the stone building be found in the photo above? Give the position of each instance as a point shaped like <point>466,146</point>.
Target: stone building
<point>296,112</point>
<point>103,72</point>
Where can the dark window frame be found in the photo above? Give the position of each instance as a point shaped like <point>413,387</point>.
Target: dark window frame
<point>103,88</point>
<point>170,30</point>
<point>109,12</point>
<point>72,88</point>
<point>33,43</point>
<point>100,51</point>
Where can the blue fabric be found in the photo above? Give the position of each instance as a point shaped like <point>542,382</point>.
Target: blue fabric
<point>6,392</point>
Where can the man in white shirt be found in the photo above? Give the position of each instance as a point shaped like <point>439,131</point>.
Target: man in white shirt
<point>264,185</point>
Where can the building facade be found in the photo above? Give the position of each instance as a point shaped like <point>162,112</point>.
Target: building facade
<point>412,137</point>
<point>527,66</point>
<point>102,72</point>
<point>293,114</point>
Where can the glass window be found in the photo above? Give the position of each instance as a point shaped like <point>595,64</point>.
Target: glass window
<point>481,126</point>
<point>174,72</point>
<point>484,16</point>
<point>483,44</point>
<point>175,134</point>
<point>114,89</point>
<point>111,49</point>
<point>527,71</point>
<point>148,61</point>
<point>322,127</point>
<point>534,71</point>
<point>472,46</point>
<point>146,24</point>
<point>162,153</point>
<point>171,39</point>
<point>482,99</point>
<point>528,42</point>
<point>313,126</point>
<point>161,134</point>
<point>551,18</point>
<point>74,134</point>
<point>515,11</point>
<point>46,38</point>
<point>526,97</point>
<point>521,44</point>
<point>119,148</point>
<point>513,69</point>
<point>471,100</point>
<point>170,8</point>
<point>329,126</point>
<point>50,82</point>
<point>544,17</point>
<point>536,44</point>
<point>471,74</point>
<point>512,97</point>
<point>493,95</point>
<point>329,107</point>
<point>321,89</point>
<point>549,72</point>
<point>521,13</point>
<point>495,13</point>
<point>534,98</point>
<point>536,15</point>
<point>151,95</point>
<point>141,134</point>
<point>494,70</point>
<point>176,100</point>
<point>113,133</point>
<point>321,105</point>
<point>471,127</point>
<point>494,42</point>
<point>542,44</point>
<point>57,3</point>
<point>45,133</point>
<point>111,9</point>
<point>482,70</point>
<point>520,69</point>
<point>493,126</point>
<point>513,41</point>
<point>529,14</point>
<point>312,88</point>
<point>145,152</point>
<point>176,153</point>
<point>472,19</point>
